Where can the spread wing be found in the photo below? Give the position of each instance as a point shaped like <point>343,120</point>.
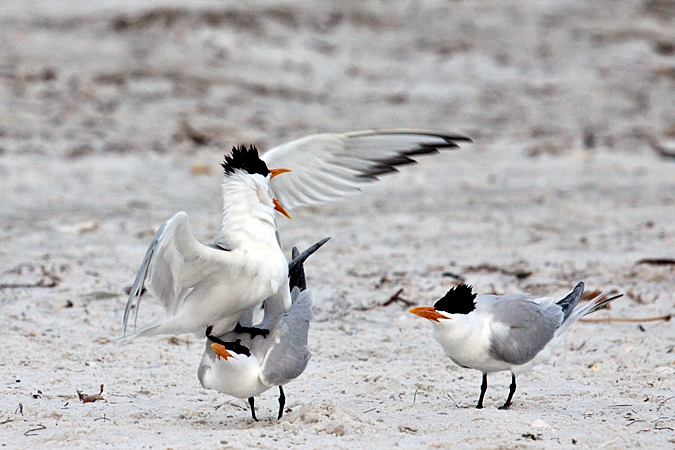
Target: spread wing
<point>288,354</point>
<point>173,264</point>
<point>329,166</point>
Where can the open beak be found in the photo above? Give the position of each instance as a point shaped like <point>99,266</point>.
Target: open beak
<point>276,172</point>
<point>220,351</point>
<point>428,312</point>
<point>280,208</point>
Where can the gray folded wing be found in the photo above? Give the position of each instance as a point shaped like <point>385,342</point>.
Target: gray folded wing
<point>328,166</point>
<point>287,355</point>
<point>521,329</point>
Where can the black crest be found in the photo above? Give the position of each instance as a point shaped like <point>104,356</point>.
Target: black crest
<point>458,300</point>
<point>245,159</point>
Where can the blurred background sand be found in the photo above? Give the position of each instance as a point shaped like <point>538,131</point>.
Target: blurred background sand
<point>114,115</point>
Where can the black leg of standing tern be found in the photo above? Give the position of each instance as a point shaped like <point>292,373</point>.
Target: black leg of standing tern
<point>250,402</point>
<point>282,402</point>
<point>512,390</point>
<point>483,388</point>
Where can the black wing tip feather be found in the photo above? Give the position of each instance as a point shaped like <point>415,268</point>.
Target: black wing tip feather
<point>458,300</point>
<point>455,137</point>
<point>246,159</point>
<point>403,157</point>
<point>569,302</point>
<point>296,270</point>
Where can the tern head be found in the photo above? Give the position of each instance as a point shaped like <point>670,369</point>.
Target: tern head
<point>458,300</point>
<point>244,164</point>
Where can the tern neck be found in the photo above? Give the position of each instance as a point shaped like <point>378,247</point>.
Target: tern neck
<point>248,210</point>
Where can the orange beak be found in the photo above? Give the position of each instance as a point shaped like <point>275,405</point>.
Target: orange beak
<point>428,312</point>
<point>280,208</point>
<point>220,351</point>
<point>276,172</point>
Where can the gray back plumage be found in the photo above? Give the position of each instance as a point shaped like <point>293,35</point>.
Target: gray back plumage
<point>288,355</point>
<point>527,324</point>
<point>523,325</point>
<point>283,353</point>
<point>285,349</point>
<point>527,329</point>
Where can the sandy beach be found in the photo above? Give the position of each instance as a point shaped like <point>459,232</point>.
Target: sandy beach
<point>115,115</point>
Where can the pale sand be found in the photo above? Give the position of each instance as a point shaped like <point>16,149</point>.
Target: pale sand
<point>562,98</point>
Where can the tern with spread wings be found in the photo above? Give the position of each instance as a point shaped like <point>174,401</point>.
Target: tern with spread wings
<point>214,284</point>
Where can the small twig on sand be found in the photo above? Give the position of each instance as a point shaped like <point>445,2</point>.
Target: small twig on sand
<point>520,274</point>
<point>47,280</point>
<point>31,432</point>
<point>393,299</point>
<point>453,400</point>
<point>667,317</point>
<point>454,276</point>
<point>657,261</point>
<point>663,403</point>
<point>665,151</point>
<point>90,398</point>
<point>397,298</point>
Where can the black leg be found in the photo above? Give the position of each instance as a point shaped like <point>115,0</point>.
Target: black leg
<point>483,388</point>
<point>282,402</point>
<point>250,402</point>
<point>253,331</point>
<point>512,390</point>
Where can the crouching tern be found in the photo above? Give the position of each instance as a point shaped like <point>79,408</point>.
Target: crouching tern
<point>492,333</point>
<point>213,284</point>
<point>243,365</point>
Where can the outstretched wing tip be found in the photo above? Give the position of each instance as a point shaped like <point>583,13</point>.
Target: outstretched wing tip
<point>330,166</point>
<point>420,131</point>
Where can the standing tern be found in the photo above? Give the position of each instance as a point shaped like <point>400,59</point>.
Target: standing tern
<point>244,265</point>
<point>261,361</point>
<point>492,333</point>
<point>214,284</point>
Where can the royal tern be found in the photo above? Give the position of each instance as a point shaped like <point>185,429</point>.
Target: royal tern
<point>214,284</point>
<point>492,333</point>
<point>255,363</point>
<point>244,264</point>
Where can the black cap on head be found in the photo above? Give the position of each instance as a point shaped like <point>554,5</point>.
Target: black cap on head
<point>458,300</point>
<point>246,160</point>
